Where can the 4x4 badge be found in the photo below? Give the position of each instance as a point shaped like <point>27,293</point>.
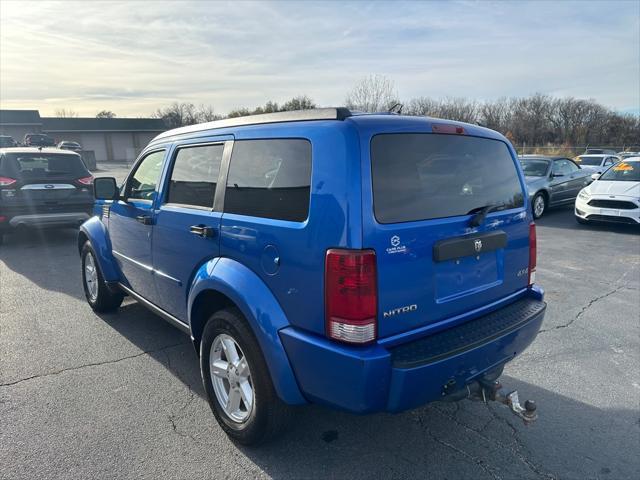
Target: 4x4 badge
<point>477,245</point>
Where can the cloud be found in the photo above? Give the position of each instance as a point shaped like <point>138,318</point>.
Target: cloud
<point>133,57</point>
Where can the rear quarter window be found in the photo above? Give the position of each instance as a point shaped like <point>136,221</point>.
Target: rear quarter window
<point>270,178</point>
<point>422,176</point>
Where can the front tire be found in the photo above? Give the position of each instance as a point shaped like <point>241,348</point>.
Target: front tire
<point>100,298</point>
<point>237,381</point>
<point>581,221</point>
<point>539,205</point>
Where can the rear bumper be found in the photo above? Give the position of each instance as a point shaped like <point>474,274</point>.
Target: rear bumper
<point>374,378</point>
<point>48,219</point>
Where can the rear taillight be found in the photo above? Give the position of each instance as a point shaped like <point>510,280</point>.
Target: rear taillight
<point>2,218</point>
<point>6,181</point>
<point>351,296</point>
<point>85,180</point>
<point>533,253</point>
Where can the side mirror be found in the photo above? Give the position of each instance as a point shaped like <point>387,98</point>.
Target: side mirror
<point>105,188</point>
<point>595,176</point>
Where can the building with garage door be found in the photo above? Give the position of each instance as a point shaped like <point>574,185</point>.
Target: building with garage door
<point>110,139</point>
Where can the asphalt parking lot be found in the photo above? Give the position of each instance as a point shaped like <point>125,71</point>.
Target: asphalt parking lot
<point>119,396</point>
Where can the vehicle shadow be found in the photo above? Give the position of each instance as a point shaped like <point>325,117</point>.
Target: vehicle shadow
<point>467,439</point>
<point>47,258</point>
<point>564,218</point>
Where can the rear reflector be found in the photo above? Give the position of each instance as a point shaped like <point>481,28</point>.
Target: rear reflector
<point>447,128</point>
<point>533,253</point>
<point>2,218</point>
<point>6,181</point>
<point>351,297</point>
<point>85,180</point>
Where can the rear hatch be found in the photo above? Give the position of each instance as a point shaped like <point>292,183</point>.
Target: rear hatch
<point>44,183</point>
<point>434,263</point>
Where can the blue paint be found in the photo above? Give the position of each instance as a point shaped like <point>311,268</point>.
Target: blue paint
<point>273,270</point>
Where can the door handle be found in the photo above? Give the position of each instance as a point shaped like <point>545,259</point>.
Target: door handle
<point>202,231</point>
<point>145,219</point>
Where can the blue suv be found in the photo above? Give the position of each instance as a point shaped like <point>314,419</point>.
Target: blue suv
<point>366,262</point>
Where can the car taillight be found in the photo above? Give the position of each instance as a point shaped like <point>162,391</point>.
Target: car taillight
<point>533,253</point>
<point>6,181</point>
<point>85,180</point>
<point>351,296</point>
<point>2,218</point>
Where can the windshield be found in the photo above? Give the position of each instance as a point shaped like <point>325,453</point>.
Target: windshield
<point>589,161</point>
<point>38,165</point>
<point>623,172</point>
<point>418,176</point>
<point>535,168</point>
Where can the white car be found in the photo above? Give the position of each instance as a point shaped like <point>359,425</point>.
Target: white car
<point>614,196</point>
<point>596,163</point>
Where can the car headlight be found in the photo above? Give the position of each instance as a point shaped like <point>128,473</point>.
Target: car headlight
<point>583,195</point>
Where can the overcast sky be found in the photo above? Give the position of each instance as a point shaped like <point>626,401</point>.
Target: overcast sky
<point>133,57</point>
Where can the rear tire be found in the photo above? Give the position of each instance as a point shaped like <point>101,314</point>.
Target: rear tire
<point>539,205</point>
<point>239,377</point>
<point>100,298</point>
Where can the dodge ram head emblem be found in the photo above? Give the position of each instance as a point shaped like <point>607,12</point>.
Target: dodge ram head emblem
<point>477,245</point>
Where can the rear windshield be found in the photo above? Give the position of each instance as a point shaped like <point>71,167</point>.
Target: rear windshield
<point>37,165</point>
<point>590,161</point>
<point>418,176</point>
<point>623,172</point>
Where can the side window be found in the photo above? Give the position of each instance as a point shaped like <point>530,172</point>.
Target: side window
<point>608,161</point>
<point>561,167</point>
<point>195,175</point>
<point>270,179</point>
<point>571,167</point>
<point>143,182</point>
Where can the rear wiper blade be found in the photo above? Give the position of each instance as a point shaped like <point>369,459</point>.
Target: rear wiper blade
<point>480,213</point>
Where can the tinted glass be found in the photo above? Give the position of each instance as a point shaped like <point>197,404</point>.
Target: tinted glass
<point>623,172</point>
<point>591,161</point>
<point>420,176</point>
<point>535,168</point>
<point>561,167</point>
<point>270,178</point>
<point>143,183</point>
<point>44,165</point>
<point>572,167</point>
<point>194,176</point>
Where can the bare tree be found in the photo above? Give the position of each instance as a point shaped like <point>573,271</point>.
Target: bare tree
<point>64,113</point>
<point>206,113</point>
<point>177,114</point>
<point>375,93</point>
<point>105,114</point>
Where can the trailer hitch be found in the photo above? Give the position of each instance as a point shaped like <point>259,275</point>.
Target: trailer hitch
<point>493,390</point>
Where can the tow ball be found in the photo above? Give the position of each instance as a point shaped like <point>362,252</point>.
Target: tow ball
<point>493,390</point>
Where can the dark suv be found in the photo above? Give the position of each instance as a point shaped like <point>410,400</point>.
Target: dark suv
<point>38,140</point>
<point>366,262</point>
<point>43,187</point>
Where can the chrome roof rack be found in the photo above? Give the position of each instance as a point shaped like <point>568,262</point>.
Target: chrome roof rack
<point>339,113</point>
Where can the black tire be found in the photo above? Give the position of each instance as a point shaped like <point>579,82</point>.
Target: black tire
<point>581,221</point>
<point>269,415</point>
<point>105,300</point>
<point>539,197</point>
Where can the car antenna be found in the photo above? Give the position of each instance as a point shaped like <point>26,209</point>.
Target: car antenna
<point>394,106</point>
